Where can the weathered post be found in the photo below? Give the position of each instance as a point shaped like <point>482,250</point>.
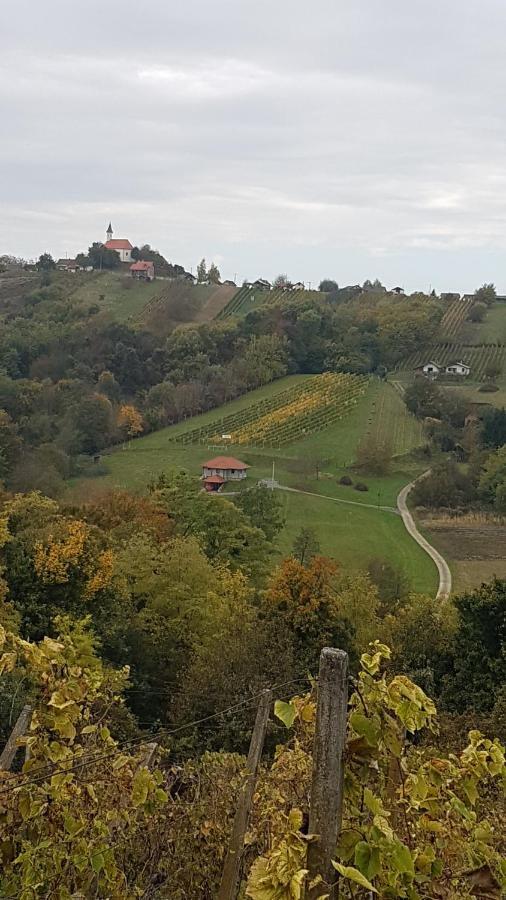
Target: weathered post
<point>328,770</point>
<point>12,746</point>
<point>230,879</point>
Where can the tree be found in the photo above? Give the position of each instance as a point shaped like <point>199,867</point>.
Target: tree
<point>94,419</point>
<point>486,294</point>
<point>480,649</point>
<point>494,428</point>
<point>130,420</point>
<point>213,275</point>
<point>101,258</point>
<point>304,601</point>
<point>493,476</point>
<point>391,582</point>
<point>423,398</point>
<point>477,312</point>
<point>45,263</point>
<point>263,508</point>
<point>281,281</point>
<point>374,455</point>
<point>306,545</point>
<point>493,370</point>
<point>328,285</point>
<point>202,271</point>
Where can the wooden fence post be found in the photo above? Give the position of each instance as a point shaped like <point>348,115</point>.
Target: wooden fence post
<point>230,879</point>
<point>12,746</point>
<point>328,770</point>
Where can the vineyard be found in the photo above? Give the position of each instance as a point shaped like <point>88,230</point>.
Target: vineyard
<point>283,418</point>
<point>477,357</point>
<point>248,298</point>
<point>391,424</point>
<point>454,317</point>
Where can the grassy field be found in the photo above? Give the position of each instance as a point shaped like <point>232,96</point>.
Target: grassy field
<point>157,305</point>
<point>115,292</point>
<point>353,533</point>
<point>493,328</point>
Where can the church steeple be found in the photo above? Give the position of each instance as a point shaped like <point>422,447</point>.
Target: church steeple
<point>109,232</point>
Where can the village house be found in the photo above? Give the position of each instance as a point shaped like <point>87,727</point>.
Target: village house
<point>431,368</point>
<point>67,265</point>
<point>298,286</point>
<point>143,269</point>
<point>458,368</point>
<point>122,246</point>
<point>217,471</point>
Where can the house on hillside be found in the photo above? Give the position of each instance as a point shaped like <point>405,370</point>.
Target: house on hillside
<point>187,276</point>
<point>398,290</point>
<point>67,265</point>
<point>431,369</point>
<point>143,269</point>
<point>298,286</point>
<point>458,368</point>
<point>261,284</point>
<point>229,282</point>
<point>122,246</point>
<point>217,471</point>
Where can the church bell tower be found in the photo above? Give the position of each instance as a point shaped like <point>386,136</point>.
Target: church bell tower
<point>109,233</point>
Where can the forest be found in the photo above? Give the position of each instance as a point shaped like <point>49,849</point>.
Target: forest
<point>141,629</point>
<point>73,381</point>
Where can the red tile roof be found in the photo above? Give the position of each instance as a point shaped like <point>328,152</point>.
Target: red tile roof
<point>214,479</point>
<point>224,462</point>
<point>118,244</point>
<point>141,265</point>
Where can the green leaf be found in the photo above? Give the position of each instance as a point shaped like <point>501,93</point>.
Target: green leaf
<point>354,875</point>
<point>403,860</point>
<point>365,727</point>
<point>286,712</point>
<point>97,862</point>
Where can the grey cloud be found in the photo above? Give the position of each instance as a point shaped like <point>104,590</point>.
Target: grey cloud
<point>333,138</point>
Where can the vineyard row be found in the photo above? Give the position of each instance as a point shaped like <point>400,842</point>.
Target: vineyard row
<point>477,357</point>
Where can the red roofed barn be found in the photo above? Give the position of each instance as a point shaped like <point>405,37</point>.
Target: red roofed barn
<point>143,269</point>
<point>122,246</point>
<point>221,469</point>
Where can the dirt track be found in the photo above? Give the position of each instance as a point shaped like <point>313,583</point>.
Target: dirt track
<point>445,576</point>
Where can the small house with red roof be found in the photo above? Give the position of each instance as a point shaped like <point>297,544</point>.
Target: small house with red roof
<point>143,269</point>
<point>122,246</point>
<point>217,471</point>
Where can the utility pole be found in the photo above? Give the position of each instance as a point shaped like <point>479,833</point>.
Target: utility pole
<point>231,877</point>
<point>328,773</point>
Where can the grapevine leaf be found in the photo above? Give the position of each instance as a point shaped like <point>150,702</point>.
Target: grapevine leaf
<point>286,712</point>
<point>354,875</point>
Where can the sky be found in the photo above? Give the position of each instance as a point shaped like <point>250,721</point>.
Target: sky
<point>346,140</point>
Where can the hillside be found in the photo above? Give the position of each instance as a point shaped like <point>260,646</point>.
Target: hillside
<point>350,524</point>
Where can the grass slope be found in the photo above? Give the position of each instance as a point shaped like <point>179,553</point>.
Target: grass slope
<point>353,535</point>
<point>115,292</point>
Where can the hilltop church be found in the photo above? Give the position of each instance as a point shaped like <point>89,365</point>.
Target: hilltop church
<point>122,246</point>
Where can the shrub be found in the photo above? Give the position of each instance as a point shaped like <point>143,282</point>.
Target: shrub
<point>346,480</point>
<point>360,486</point>
<point>488,388</point>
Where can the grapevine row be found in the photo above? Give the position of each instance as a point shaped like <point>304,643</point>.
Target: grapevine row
<point>299,411</point>
<point>477,357</point>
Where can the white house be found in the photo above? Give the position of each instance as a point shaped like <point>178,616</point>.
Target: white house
<point>458,368</point>
<point>122,246</point>
<point>298,286</point>
<point>431,368</point>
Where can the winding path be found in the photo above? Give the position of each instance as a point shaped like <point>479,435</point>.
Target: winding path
<point>445,576</point>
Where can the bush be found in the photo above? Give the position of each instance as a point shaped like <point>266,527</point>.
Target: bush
<point>346,480</point>
<point>360,486</point>
<point>488,388</point>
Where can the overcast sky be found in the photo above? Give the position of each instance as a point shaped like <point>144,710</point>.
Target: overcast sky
<point>351,140</point>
